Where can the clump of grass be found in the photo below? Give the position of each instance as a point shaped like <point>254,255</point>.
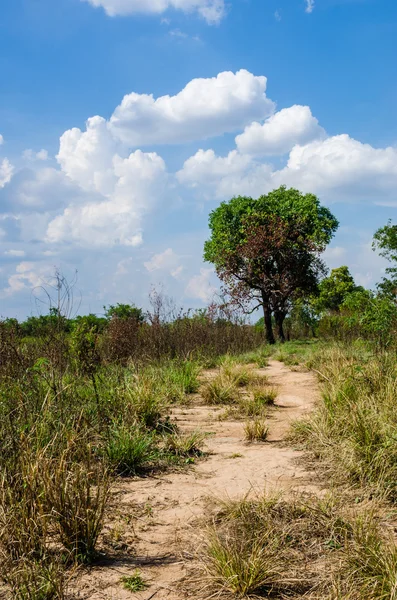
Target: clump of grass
<point>260,357</point>
<point>76,494</point>
<point>129,448</point>
<point>185,445</point>
<point>36,580</point>
<point>239,566</point>
<point>250,407</point>
<point>264,395</point>
<point>258,546</point>
<point>221,390</point>
<point>369,563</point>
<point>256,430</point>
<point>236,374</point>
<point>134,583</point>
<point>146,398</point>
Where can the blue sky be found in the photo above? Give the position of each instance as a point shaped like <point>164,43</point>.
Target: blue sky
<point>220,98</point>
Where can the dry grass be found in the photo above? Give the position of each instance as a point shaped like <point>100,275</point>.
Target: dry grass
<point>353,428</point>
<point>301,547</point>
<point>256,430</point>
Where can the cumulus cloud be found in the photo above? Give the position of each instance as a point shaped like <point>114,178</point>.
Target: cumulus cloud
<point>211,10</point>
<point>280,132</point>
<point>1,139</point>
<point>87,157</point>
<point>6,172</point>
<point>338,167</point>
<point>204,108</point>
<point>227,176</point>
<point>116,219</point>
<point>168,261</point>
<point>341,164</point>
<point>200,287</point>
<point>28,275</point>
<point>31,155</point>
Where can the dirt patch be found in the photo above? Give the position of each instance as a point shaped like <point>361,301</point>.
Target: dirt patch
<point>155,524</point>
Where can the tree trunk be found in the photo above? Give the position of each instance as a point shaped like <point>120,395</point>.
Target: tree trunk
<point>279,317</point>
<point>267,314</point>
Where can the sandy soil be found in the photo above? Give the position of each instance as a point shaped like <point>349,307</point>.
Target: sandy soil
<point>156,519</point>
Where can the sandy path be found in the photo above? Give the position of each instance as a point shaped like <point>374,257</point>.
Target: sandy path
<point>171,505</point>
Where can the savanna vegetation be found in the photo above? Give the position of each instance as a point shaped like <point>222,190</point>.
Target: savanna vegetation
<point>85,400</point>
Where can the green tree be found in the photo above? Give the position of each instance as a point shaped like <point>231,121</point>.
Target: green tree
<point>334,289</point>
<point>267,251</point>
<point>385,241</point>
<point>124,312</point>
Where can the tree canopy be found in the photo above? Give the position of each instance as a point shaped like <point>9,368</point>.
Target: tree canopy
<point>124,311</point>
<point>385,241</point>
<point>334,289</point>
<point>267,251</point>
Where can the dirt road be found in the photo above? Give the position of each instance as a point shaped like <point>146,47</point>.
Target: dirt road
<point>165,533</point>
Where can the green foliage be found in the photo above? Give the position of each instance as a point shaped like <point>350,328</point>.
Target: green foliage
<point>334,290</point>
<point>134,583</point>
<point>227,223</point>
<point>267,250</point>
<point>129,448</point>
<point>385,241</point>
<point>124,312</point>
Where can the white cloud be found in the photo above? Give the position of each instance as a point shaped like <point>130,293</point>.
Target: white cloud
<point>6,172</point>
<point>116,219</point>
<point>18,253</point>
<point>200,287</point>
<point>211,10</point>
<point>28,275</point>
<point>341,165</point>
<point>1,139</point>
<point>280,132</point>
<point>168,261</point>
<point>338,168</point>
<point>30,155</point>
<point>204,108</point>
<point>227,176</point>
<point>86,157</point>
<point>309,6</point>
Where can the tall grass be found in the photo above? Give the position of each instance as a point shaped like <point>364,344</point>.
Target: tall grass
<point>299,547</point>
<point>354,425</point>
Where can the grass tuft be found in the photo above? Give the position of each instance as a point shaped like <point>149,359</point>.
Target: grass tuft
<point>256,430</point>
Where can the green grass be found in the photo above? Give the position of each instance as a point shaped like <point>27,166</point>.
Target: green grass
<point>129,448</point>
<point>134,583</point>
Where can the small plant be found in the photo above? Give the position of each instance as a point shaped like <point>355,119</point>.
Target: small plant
<point>185,445</point>
<point>264,395</point>
<point>236,374</point>
<point>240,565</point>
<point>146,399</point>
<point>256,430</point>
<point>134,583</point>
<point>129,448</point>
<point>76,494</point>
<point>220,390</point>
